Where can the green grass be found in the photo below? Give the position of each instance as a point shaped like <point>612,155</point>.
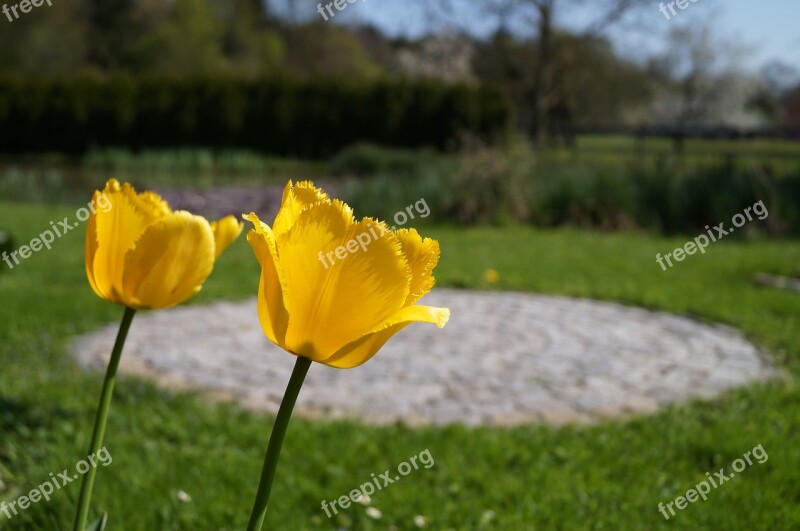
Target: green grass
<point>778,156</point>
<point>610,476</point>
<point>763,147</point>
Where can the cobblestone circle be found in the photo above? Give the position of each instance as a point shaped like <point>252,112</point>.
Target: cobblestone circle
<point>503,359</point>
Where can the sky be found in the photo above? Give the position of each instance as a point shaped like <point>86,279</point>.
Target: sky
<point>769,28</point>
<point>773,26</point>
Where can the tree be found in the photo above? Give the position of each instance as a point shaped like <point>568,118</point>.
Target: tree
<point>327,50</point>
<point>188,42</point>
<point>539,19</point>
<point>53,42</point>
<point>596,88</point>
<point>113,32</point>
<point>248,41</point>
<point>701,84</point>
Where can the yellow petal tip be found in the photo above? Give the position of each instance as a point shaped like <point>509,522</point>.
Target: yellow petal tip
<point>443,318</point>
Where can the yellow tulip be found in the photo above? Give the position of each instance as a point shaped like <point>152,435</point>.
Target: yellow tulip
<point>339,313</point>
<point>141,254</point>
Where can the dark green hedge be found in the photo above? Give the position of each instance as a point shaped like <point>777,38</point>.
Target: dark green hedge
<point>312,118</point>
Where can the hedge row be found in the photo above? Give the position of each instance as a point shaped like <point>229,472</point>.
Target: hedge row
<point>312,118</point>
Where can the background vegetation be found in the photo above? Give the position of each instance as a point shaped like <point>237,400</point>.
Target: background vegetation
<point>280,116</point>
<point>635,186</point>
<point>561,81</point>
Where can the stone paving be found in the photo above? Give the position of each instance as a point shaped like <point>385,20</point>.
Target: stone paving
<point>503,359</point>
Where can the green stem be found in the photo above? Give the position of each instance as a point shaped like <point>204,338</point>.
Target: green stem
<point>101,418</point>
<point>276,442</point>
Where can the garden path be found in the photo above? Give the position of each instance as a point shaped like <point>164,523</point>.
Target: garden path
<point>503,359</point>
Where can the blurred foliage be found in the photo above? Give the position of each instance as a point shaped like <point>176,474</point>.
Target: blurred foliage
<point>325,50</point>
<point>52,178</point>
<point>307,118</point>
<point>577,82</point>
<point>184,37</point>
<point>591,85</point>
<point>605,183</point>
<point>665,194</point>
<point>488,185</point>
<point>363,160</point>
<point>186,43</point>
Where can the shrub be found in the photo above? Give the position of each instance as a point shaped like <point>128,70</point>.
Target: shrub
<point>488,186</point>
<point>567,194</point>
<point>301,118</point>
<point>362,160</point>
<point>515,185</point>
<point>383,195</point>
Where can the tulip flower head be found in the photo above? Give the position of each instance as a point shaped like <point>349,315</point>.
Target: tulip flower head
<point>141,254</point>
<point>343,314</point>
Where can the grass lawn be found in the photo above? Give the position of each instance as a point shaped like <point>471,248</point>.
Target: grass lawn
<point>778,157</point>
<point>610,476</point>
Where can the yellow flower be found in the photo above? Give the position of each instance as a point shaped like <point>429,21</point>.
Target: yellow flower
<point>334,289</point>
<point>491,276</point>
<point>141,254</point>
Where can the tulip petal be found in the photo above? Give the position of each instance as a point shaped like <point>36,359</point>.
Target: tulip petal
<point>169,262</point>
<point>331,304</point>
<point>112,233</point>
<point>296,198</point>
<point>151,202</point>
<point>90,250</point>
<point>363,349</point>
<point>226,230</point>
<point>272,312</point>
<point>422,256</point>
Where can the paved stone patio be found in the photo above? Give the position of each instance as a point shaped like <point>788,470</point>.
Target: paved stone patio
<point>503,359</point>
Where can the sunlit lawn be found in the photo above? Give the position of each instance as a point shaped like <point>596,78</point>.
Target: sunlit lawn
<point>605,477</point>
